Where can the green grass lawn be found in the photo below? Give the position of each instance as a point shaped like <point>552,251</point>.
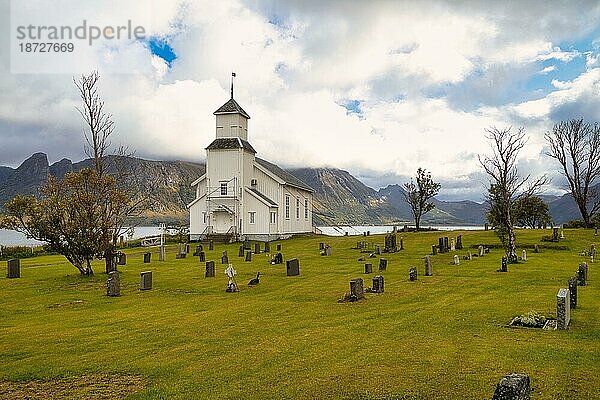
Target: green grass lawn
<point>441,337</point>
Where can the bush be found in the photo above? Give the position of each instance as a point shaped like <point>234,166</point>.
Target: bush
<point>573,224</point>
<point>531,319</point>
<point>8,252</point>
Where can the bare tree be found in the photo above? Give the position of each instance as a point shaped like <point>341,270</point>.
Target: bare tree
<point>506,184</point>
<point>418,195</point>
<point>575,144</point>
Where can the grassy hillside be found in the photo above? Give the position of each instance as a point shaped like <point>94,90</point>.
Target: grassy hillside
<point>442,337</point>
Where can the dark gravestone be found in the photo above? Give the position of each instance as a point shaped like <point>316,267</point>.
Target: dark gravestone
<point>368,233</point>
<point>368,268</point>
<point>147,257</point>
<point>201,256</point>
<point>292,267</point>
<point>382,264</point>
<point>146,280</point>
<point>459,244</point>
<point>327,250</point>
<point>441,244</point>
<point>428,269</point>
<point>504,267</point>
<point>256,248</point>
<point>278,259</point>
<point>241,252</point>
<point>267,247</point>
<point>211,245</point>
<point>377,284</point>
<point>434,249</point>
<point>412,274</point>
<point>321,246</point>
<point>210,269</point>
<point>402,243</point>
<point>573,291</point>
<point>487,226</point>
<point>199,248</point>
<point>247,245</point>
<point>278,247</point>
<point>555,234</point>
<point>513,387</point>
<point>563,309</point>
<point>113,284</point>
<point>582,273</point>
<point>391,244</point>
<point>13,268</point>
<point>378,249</point>
<point>121,258</point>
<point>446,246</point>
<point>186,248</point>
<point>224,259</point>
<point>357,291</point>
<point>248,256</point>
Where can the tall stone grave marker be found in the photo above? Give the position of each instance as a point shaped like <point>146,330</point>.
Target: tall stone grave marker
<point>113,284</point>
<point>210,269</point>
<point>382,264</point>
<point>248,256</point>
<point>377,284</point>
<point>563,310</point>
<point>292,267</point>
<point>267,247</point>
<point>201,256</point>
<point>162,255</point>
<point>13,268</point>
<point>572,292</point>
<point>459,244</point>
<point>357,291</point>
<point>582,273</point>
<point>147,257</point>
<point>428,269</point>
<point>146,280</point>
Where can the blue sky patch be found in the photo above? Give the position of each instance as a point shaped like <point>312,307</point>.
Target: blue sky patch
<point>160,47</point>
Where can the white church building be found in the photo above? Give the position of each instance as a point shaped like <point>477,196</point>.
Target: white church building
<point>241,195</point>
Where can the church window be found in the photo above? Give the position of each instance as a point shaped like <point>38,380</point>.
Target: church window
<point>287,206</point>
<point>305,208</point>
<point>273,217</point>
<point>252,215</point>
<point>297,208</point>
<point>223,188</point>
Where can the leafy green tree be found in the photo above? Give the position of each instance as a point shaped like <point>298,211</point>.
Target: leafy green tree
<point>532,212</point>
<point>418,195</point>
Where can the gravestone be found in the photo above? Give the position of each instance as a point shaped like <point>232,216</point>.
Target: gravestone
<point>292,267</point>
<point>456,260</point>
<point>368,233</point>
<point>428,269</point>
<point>278,259</point>
<point>480,248</point>
<point>378,250</point>
<point>368,268</point>
<point>241,252</point>
<point>256,248</point>
<point>382,264</point>
<point>377,284</point>
<point>210,269</point>
<point>180,248</point>
<point>180,256</point>
<point>572,292</point>
<point>13,268</point>
<point>121,258</point>
<point>513,387</point>
<point>224,258</point>
<point>231,284</point>
<point>596,231</point>
<point>504,267</point>
<point>524,255</point>
<point>146,280</point>
<point>322,246</point>
<point>452,245</point>
<point>278,247</point>
<point>267,247</point>
<point>201,256</point>
<point>555,234</point>
<point>459,244</point>
<point>186,248</point>
<point>563,311</point>
<point>536,248</point>
<point>402,243</point>
<point>412,274</point>
<point>391,244</point>
<point>434,249</point>
<point>162,254</point>
<point>247,244</point>
<point>357,291</point>
<point>199,248</point>
<point>441,244</point>
<point>582,273</point>
<point>147,257</point>
<point>446,246</point>
<point>487,226</point>
<point>328,250</point>
<point>211,245</point>
<point>113,284</point>
<point>248,256</point>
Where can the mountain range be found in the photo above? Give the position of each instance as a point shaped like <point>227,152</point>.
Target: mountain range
<point>339,198</point>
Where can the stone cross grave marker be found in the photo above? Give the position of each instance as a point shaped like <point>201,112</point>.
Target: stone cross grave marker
<point>113,284</point>
<point>210,269</point>
<point>231,285</point>
<point>572,292</point>
<point>377,284</point>
<point>292,267</point>
<point>13,268</point>
<point>412,274</point>
<point>368,268</point>
<point>147,257</point>
<point>146,280</point>
<point>382,264</point>
<point>563,310</point>
<point>357,291</point>
<point>428,269</point>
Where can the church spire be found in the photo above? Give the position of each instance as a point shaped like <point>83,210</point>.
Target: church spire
<point>232,76</point>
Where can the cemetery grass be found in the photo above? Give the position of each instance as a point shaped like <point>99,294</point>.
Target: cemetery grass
<point>441,337</point>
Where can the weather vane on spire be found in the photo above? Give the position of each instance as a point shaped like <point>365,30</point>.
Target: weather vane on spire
<point>232,76</point>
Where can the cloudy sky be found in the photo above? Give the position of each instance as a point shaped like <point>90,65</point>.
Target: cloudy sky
<point>376,88</point>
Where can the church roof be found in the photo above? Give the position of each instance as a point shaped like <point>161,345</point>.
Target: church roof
<point>265,199</point>
<point>230,143</point>
<point>284,175</point>
<point>231,107</point>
